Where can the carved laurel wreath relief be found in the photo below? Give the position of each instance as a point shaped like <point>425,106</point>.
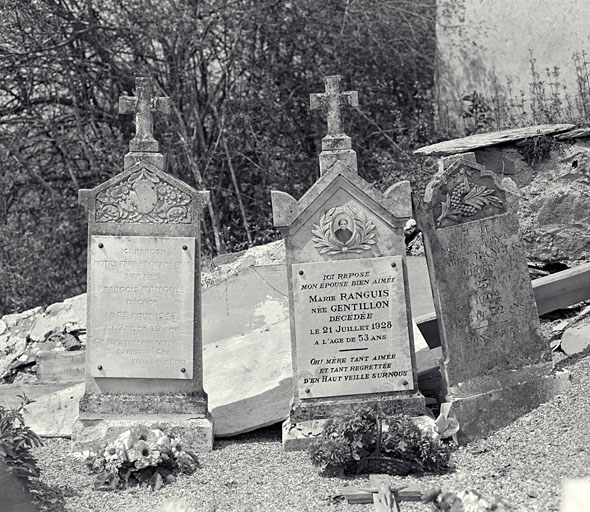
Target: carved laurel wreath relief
<point>343,229</point>
<point>465,200</point>
<point>143,197</point>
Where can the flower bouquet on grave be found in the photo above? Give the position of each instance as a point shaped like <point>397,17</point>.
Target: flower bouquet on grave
<point>140,456</point>
<point>366,442</point>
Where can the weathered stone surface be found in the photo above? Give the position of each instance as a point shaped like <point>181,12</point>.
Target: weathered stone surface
<point>143,106</point>
<point>54,414</point>
<point>576,339</point>
<point>66,316</point>
<point>246,339</point>
<point>487,311</point>
<point>554,208</point>
<point>142,309</point>
<point>91,433</point>
<point>489,325</point>
<point>13,341</point>
<point>262,359</point>
<point>330,102</point>
<point>60,366</point>
<point>482,414</point>
<point>481,140</point>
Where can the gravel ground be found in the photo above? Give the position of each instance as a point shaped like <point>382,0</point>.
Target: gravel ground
<point>525,463</point>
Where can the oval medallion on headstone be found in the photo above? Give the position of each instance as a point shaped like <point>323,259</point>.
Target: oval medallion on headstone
<point>146,196</point>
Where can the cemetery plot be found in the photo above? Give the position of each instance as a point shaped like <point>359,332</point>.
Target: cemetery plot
<point>352,327</point>
<point>142,292</point>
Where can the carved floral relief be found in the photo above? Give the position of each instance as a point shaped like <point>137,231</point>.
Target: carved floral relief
<point>343,229</point>
<point>465,200</point>
<point>144,198</point>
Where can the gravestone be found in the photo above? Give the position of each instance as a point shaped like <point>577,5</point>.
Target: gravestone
<point>350,316</point>
<point>144,347</point>
<point>496,365</point>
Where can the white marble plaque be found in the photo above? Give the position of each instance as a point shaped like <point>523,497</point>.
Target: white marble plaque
<point>141,309</point>
<point>351,327</point>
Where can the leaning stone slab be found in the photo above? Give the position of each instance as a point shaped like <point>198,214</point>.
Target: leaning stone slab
<point>481,140</point>
<point>60,366</point>
<point>248,379</point>
<point>54,414</point>
<point>9,393</point>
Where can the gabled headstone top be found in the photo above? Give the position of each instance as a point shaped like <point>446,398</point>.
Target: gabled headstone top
<point>331,101</point>
<point>143,105</point>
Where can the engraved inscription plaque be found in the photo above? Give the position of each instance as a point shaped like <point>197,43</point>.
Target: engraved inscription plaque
<point>351,326</point>
<point>141,307</point>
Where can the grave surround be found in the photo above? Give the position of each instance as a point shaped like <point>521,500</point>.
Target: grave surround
<point>496,365</point>
<point>351,332</point>
<point>144,346</point>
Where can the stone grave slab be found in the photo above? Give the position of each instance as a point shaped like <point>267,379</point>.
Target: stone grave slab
<point>142,315</point>
<point>144,343</point>
<point>496,364</point>
<point>341,231</point>
<point>351,327</point>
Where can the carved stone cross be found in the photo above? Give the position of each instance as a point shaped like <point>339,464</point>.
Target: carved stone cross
<point>143,105</point>
<point>331,101</point>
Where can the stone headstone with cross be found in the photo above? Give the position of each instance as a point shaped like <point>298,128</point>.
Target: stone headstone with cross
<point>144,347</point>
<point>351,337</point>
<point>496,365</point>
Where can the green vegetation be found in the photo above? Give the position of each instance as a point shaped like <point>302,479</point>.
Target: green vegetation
<point>16,441</point>
<point>547,101</point>
<point>365,442</point>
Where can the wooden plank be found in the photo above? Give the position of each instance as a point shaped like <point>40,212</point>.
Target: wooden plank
<point>428,325</point>
<point>562,288</point>
<point>364,495</point>
<point>551,292</point>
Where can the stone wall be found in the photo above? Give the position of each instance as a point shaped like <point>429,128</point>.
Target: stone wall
<point>554,209</point>
<point>480,39</point>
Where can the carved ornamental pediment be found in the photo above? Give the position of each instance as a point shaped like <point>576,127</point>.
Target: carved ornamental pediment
<point>143,196</point>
